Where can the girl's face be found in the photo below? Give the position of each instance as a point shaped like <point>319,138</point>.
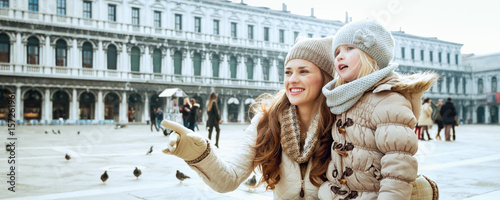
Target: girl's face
<point>347,62</point>
<point>303,82</point>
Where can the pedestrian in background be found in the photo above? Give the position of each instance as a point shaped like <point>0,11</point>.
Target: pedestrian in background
<point>436,116</point>
<point>193,112</point>
<point>449,118</point>
<point>159,118</point>
<point>153,120</point>
<point>213,118</point>
<point>186,107</point>
<point>425,119</point>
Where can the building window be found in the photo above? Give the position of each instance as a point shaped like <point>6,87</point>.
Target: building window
<point>266,34</point>
<point>197,64</point>
<point>33,54</point>
<point>439,57</point>
<point>494,84</point>
<point>464,85</point>
<point>422,55</point>
<point>4,3</point>
<point>456,59</point>
<point>402,52</point>
<point>178,63</point>
<point>87,55</point>
<point>295,35</point>
<point>112,13</point>
<point>448,59</point>
<point>215,65</point>
<point>135,16</point>
<point>431,58</point>
<point>135,59</point>
<point>112,55</point>
<point>61,7</point>
<point>234,32</point>
<point>157,19</point>
<point>87,9</point>
<point>157,61</point>
<point>413,54</point>
<point>250,32</point>
<point>33,5</point>
<point>197,24</point>
<point>233,66</point>
<point>4,48</point>
<point>178,22</point>
<point>61,53</point>
<point>281,70</point>
<point>309,35</point>
<point>216,27</point>
<point>282,36</point>
<point>249,68</point>
<point>265,69</point>
<point>480,86</point>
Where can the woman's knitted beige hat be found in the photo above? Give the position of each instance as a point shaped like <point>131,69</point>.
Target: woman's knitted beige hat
<point>369,36</point>
<point>315,50</point>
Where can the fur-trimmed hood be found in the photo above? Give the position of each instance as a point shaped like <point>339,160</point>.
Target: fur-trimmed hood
<point>411,87</point>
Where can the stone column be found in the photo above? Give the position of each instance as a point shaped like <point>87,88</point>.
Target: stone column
<point>257,70</point>
<point>241,112</point>
<point>187,63</point>
<point>76,55</point>
<point>75,106</point>
<point>99,63</point>
<point>224,71</point>
<point>46,53</point>
<point>20,55</point>
<point>273,70</point>
<point>206,66</point>
<point>99,109</point>
<point>19,112</point>
<point>146,108</point>
<point>47,106</point>
<point>123,115</point>
<point>224,108</point>
<point>145,64</point>
<point>487,116</point>
<point>242,68</point>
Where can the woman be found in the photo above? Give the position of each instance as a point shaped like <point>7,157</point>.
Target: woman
<point>288,140</point>
<point>213,118</point>
<point>425,119</point>
<point>186,107</point>
<point>192,113</point>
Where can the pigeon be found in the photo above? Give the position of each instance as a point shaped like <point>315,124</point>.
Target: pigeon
<point>251,183</point>
<point>58,131</point>
<point>67,157</point>
<point>104,177</point>
<point>150,151</point>
<point>46,132</point>
<point>137,172</point>
<point>181,176</point>
<point>54,131</point>
<point>78,132</point>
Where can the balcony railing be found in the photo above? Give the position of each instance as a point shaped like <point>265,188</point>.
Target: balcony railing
<point>110,26</point>
<point>115,75</point>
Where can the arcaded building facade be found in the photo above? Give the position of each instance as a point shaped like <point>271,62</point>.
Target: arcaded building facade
<point>108,60</point>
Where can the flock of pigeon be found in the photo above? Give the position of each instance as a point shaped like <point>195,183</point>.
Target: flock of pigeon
<point>137,172</point>
<point>251,183</point>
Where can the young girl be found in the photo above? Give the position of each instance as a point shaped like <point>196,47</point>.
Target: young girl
<point>373,142</point>
<point>213,118</point>
<point>288,141</point>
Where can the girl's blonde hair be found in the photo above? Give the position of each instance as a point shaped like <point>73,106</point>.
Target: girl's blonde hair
<point>368,66</point>
<point>212,98</point>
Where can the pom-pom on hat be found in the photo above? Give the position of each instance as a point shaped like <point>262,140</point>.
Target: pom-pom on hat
<point>370,37</point>
<point>315,50</point>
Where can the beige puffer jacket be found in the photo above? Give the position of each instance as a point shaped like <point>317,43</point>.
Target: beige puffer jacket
<point>226,175</point>
<point>425,118</point>
<point>372,153</point>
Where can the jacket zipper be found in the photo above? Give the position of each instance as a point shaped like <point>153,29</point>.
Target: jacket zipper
<point>302,188</point>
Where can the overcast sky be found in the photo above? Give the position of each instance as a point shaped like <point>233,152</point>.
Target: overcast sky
<point>475,24</point>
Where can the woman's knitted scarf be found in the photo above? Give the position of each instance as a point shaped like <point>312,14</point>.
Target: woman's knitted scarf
<point>290,136</point>
<point>344,96</point>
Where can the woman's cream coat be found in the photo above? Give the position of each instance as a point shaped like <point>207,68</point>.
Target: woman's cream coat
<point>425,118</point>
<point>225,175</point>
<point>373,158</point>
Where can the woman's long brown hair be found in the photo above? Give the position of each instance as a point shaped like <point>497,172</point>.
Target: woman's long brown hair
<point>268,146</point>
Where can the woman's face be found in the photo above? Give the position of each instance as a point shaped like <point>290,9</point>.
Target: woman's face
<point>347,62</point>
<point>303,82</point>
